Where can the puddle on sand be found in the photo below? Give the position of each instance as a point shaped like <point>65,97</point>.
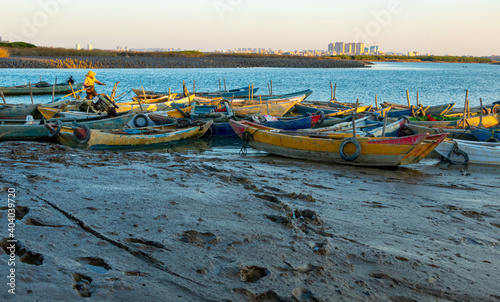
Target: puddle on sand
<point>97,265</point>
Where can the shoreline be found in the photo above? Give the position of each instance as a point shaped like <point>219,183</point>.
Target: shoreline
<point>177,62</point>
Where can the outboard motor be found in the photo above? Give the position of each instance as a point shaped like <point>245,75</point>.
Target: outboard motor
<point>102,103</point>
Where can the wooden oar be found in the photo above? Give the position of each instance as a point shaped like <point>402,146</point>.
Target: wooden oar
<point>73,93</point>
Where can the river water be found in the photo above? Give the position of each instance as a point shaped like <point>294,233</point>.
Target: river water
<point>436,83</point>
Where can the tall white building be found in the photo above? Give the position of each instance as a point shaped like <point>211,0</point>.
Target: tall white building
<point>89,47</point>
<point>78,47</point>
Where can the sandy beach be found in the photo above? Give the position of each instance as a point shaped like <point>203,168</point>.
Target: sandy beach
<point>199,225</point>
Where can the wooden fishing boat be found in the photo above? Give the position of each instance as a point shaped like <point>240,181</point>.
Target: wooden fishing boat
<point>296,123</point>
<point>252,97</point>
<point>486,134</point>
<point>83,137</point>
<point>436,110</point>
<point>20,111</point>
<point>276,107</point>
<point>40,88</point>
<point>36,130</point>
<point>338,148</point>
<point>305,109</point>
<point>159,118</point>
<point>49,113</point>
<point>215,94</point>
<point>470,152</point>
<point>152,106</point>
<point>487,121</point>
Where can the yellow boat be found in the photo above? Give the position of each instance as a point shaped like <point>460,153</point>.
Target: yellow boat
<point>276,108</point>
<point>48,112</point>
<point>339,148</point>
<point>83,137</point>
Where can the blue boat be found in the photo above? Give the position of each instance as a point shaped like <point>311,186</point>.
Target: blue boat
<point>305,109</point>
<point>486,134</point>
<point>303,122</point>
<point>238,92</point>
<point>268,97</point>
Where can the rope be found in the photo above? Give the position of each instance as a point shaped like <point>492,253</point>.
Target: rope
<point>246,137</point>
<point>116,100</point>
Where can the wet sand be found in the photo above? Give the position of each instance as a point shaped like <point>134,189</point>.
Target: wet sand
<point>217,226</point>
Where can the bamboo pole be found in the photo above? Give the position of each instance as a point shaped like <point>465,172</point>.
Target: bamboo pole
<point>376,102</point>
<point>3,98</point>
<point>225,89</point>
<point>31,93</point>
<point>271,87</point>
<point>465,108</point>
<point>252,91</point>
<point>331,91</point>
<point>54,90</point>
<point>385,126</point>
<point>260,106</point>
<point>72,90</point>
<point>139,99</point>
<point>220,88</point>
<point>113,92</point>
<point>353,114</point>
<point>169,94</point>
<point>418,103</point>
<point>481,116</point>
<point>194,86</point>
<point>335,92</point>
<point>408,99</point>
<point>468,108</point>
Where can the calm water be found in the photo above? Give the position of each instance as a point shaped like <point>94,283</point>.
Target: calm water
<point>436,82</point>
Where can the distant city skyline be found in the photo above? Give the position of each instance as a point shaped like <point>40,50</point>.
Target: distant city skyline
<point>438,27</point>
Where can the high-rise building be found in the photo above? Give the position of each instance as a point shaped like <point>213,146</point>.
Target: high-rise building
<point>340,47</point>
<point>360,48</point>
<point>331,47</point>
<point>89,47</point>
<point>78,47</point>
<point>374,49</point>
<point>350,48</point>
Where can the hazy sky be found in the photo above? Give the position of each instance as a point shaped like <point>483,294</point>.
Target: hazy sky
<point>457,27</point>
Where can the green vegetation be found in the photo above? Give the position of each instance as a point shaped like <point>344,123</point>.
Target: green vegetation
<point>17,45</point>
<point>417,58</point>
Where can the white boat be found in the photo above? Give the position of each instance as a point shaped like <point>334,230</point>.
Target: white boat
<point>463,152</point>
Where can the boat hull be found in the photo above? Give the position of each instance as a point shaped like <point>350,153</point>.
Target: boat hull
<point>25,90</point>
<point>102,140</point>
<point>383,152</point>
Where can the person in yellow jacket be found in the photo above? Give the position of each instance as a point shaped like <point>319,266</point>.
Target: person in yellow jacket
<point>89,83</point>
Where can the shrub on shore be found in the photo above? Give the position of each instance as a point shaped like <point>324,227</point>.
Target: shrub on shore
<point>4,53</point>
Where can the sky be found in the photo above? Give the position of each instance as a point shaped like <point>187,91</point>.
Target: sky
<point>438,27</point>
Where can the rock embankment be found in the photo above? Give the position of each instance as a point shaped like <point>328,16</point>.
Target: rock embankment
<point>177,62</point>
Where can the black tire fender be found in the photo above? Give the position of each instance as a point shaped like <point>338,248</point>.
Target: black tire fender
<point>56,131</point>
<point>350,140</point>
<point>140,118</point>
<point>461,153</point>
<point>405,118</point>
<point>322,118</point>
<point>86,138</point>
